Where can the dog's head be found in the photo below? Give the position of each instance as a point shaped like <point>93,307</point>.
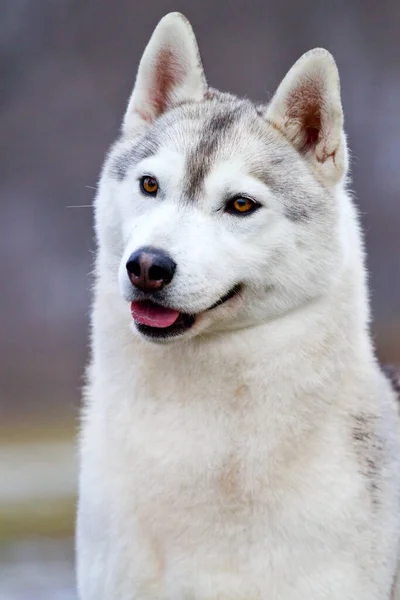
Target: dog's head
<point>214,212</point>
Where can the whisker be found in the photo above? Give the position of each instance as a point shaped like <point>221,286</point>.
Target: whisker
<point>81,206</point>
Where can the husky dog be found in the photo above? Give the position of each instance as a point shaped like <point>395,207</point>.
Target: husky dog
<point>239,440</point>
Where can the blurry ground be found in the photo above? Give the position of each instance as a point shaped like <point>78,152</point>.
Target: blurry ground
<point>38,569</point>
<point>37,510</point>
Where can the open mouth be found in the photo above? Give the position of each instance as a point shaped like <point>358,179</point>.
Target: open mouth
<point>154,320</point>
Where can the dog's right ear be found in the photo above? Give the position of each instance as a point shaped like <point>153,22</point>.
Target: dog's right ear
<point>170,73</point>
<point>307,109</point>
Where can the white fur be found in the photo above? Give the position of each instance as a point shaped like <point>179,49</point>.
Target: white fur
<point>256,457</point>
<point>173,35</point>
<point>314,79</point>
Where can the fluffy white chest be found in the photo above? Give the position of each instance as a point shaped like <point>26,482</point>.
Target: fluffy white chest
<point>183,500</point>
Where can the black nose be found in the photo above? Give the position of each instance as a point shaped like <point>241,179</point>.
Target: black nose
<point>149,269</point>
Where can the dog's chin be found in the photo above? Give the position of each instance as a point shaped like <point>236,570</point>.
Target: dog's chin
<point>182,326</point>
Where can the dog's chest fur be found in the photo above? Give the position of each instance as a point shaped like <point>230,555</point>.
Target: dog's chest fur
<point>212,475</point>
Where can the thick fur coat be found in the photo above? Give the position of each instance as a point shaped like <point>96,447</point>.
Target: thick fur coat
<point>250,450</point>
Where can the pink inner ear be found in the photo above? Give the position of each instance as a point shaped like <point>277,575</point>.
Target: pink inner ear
<point>311,136</point>
<point>167,74</point>
<point>304,105</point>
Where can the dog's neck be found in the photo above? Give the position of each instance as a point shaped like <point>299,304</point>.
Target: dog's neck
<point>287,374</point>
<point>324,335</point>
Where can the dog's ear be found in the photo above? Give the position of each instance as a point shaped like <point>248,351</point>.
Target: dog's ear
<point>308,111</point>
<point>170,72</point>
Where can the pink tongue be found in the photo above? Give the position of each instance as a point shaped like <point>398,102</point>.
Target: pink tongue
<point>153,315</point>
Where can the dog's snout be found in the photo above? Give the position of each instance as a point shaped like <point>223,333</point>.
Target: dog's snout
<point>150,269</point>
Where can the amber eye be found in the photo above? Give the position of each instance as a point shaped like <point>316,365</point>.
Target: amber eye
<point>149,185</point>
<point>241,206</point>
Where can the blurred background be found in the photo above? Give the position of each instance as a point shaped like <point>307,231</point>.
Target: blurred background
<point>66,71</point>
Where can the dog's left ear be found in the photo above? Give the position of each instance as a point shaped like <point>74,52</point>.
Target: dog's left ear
<point>308,111</point>
<point>170,72</point>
